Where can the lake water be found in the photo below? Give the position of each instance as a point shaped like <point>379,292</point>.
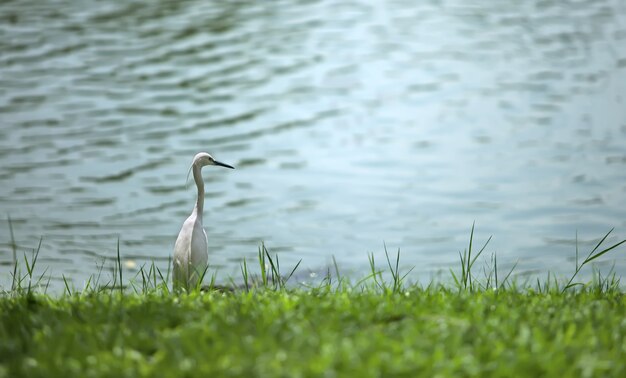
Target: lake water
<point>350,123</point>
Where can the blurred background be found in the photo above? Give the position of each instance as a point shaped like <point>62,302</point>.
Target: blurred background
<point>350,123</point>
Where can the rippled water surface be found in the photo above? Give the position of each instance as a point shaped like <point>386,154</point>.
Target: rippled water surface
<point>350,123</point>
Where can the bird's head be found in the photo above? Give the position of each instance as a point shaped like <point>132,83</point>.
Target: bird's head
<point>202,159</point>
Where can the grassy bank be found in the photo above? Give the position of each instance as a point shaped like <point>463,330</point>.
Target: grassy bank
<point>417,332</point>
<point>479,325</point>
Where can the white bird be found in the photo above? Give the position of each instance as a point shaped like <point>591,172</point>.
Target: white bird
<point>191,249</point>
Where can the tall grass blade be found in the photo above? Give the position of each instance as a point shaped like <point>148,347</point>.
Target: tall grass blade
<point>508,274</point>
<point>336,269</point>
<point>244,274</point>
<point>199,282</point>
<point>456,280</point>
<point>13,244</point>
<point>599,254</point>
<point>67,286</point>
<point>495,269</point>
<point>45,291</point>
<point>590,257</point>
<point>119,266</point>
<point>377,275</point>
<point>164,281</point>
<point>262,265</point>
<point>88,284</point>
<point>292,271</point>
<point>576,242</point>
<point>468,278</point>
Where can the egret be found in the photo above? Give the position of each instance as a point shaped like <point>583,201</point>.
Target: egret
<point>191,249</point>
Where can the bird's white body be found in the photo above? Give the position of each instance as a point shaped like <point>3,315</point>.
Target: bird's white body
<point>191,253</point>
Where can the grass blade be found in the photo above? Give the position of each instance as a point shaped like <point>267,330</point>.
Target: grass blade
<point>119,266</point>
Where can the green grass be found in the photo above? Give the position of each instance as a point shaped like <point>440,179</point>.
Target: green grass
<point>381,326</point>
<point>434,332</point>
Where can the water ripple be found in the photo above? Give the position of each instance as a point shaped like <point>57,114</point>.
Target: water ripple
<point>349,121</point>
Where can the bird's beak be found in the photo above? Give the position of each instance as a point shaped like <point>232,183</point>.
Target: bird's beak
<point>223,164</point>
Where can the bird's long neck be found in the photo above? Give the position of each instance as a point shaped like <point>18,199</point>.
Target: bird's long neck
<point>197,177</point>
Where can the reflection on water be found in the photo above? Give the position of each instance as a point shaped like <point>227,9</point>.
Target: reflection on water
<point>350,123</point>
